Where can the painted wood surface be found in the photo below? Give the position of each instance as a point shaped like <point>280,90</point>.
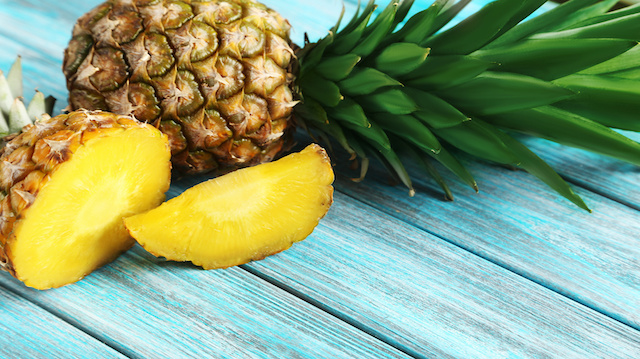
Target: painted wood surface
<point>514,271</point>
<point>609,177</point>
<point>434,298</point>
<point>28,331</point>
<point>148,308</point>
<point>517,223</point>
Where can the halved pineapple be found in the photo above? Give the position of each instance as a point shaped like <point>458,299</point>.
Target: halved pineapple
<point>246,215</point>
<point>68,182</point>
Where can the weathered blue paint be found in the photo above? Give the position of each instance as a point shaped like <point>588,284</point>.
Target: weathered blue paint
<point>28,331</point>
<point>514,271</point>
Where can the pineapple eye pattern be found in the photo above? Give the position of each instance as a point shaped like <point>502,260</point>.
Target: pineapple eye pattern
<point>173,63</point>
<point>384,86</point>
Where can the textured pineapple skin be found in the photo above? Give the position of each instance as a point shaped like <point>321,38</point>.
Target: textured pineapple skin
<point>215,76</point>
<point>34,156</point>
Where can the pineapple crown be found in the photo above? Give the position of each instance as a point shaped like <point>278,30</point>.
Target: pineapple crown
<point>14,115</point>
<point>399,90</point>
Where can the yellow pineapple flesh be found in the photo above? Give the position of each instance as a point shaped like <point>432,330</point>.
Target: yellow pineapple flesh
<point>245,215</point>
<point>68,183</point>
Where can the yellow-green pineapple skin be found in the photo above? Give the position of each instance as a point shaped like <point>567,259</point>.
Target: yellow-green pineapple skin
<point>213,75</point>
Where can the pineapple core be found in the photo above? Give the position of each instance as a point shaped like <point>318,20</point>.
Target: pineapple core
<point>242,216</point>
<point>75,223</point>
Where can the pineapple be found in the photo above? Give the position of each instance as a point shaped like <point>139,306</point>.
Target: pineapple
<point>280,203</point>
<point>66,183</point>
<point>213,75</point>
<point>14,115</point>
<point>220,78</point>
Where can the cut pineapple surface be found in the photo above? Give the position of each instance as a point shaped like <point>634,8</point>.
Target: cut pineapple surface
<point>72,220</point>
<point>242,216</point>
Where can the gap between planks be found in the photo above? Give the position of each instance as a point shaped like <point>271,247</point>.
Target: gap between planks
<point>114,345</point>
<point>574,297</point>
<point>65,319</point>
<point>332,312</point>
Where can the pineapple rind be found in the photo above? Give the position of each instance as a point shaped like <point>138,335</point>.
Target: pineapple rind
<point>282,203</point>
<point>72,181</point>
<point>214,76</point>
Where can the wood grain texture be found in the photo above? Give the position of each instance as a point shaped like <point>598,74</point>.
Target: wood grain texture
<point>608,176</point>
<point>516,222</point>
<point>435,298</point>
<point>148,308</point>
<point>27,331</point>
<point>510,272</point>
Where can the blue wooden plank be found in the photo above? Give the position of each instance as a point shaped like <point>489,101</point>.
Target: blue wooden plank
<point>434,298</point>
<point>610,177</point>
<point>445,324</point>
<point>146,308</point>
<point>28,331</point>
<point>520,224</point>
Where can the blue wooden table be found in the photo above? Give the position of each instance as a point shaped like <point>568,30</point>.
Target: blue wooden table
<point>514,271</point>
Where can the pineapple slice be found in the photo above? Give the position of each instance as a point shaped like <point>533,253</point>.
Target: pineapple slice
<point>69,181</point>
<point>246,215</point>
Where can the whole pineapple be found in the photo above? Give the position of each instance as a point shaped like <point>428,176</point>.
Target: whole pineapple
<point>416,90</point>
<point>212,75</point>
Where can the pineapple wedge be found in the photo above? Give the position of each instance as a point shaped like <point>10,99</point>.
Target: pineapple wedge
<point>67,182</point>
<point>245,215</point>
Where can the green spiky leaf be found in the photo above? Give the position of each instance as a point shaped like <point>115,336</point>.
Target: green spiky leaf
<point>611,101</point>
<point>4,126</point>
<point>606,15</point>
<point>435,112</point>
<point>338,67</point>
<point>437,72</point>
<point>533,164</point>
<point>392,101</point>
<point>322,90</point>
<point>378,30</point>
<point>452,164</point>
<point>349,111</point>
<point>480,28</point>
<point>626,27</point>
<point>569,129</point>
<point>365,81</point>
<point>410,129</point>
<point>616,66</point>
<point>14,78</point>
<point>347,39</point>
<point>572,20</point>
<point>544,22</point>
<point>479,139</point>
<point>6,99</point>
<point>18,117</point>
<point>406,150</point>
<point>419,26</point>
<point>569,74</point>
<point>546,59</point>
<point>400,58</point>
<point>373,134</point>
<point>494,92</point>
<point>447,13</point>
<point>37,106</point>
